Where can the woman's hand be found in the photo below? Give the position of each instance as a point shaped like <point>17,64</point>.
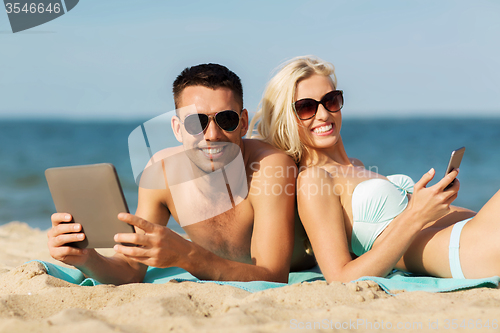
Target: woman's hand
<point>431,203</point>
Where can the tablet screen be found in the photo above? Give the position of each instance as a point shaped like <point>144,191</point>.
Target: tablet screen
<point>93,196</point>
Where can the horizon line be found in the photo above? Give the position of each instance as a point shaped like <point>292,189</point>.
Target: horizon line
<point>373,116</point>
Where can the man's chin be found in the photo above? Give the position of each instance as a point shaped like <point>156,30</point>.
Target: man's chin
<point>214,159</point>
<point>209,166</point>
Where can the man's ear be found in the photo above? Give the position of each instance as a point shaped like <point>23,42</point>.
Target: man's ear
<point>244,122</point>
<point>176,127</point>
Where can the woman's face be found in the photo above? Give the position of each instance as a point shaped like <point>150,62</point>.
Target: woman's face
<point>322,130</point>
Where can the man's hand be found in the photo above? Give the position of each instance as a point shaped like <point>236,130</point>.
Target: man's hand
<point>155,245</point>
<point>62,233</point>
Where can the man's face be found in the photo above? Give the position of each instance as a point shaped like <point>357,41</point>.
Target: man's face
<point>214,147</point>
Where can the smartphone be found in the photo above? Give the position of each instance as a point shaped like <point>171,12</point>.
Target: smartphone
<point>455,159</point>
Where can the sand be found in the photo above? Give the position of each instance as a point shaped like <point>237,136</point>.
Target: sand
<point>31,300</point>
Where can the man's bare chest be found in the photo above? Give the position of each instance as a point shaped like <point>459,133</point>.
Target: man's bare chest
<point>228,234</point>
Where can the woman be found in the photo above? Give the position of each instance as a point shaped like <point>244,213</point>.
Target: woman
<point>361,223</point>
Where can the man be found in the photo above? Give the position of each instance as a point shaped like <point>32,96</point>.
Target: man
<point>252,239</point>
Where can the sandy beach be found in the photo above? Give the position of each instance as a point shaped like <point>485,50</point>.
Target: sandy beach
<point>31,300</point>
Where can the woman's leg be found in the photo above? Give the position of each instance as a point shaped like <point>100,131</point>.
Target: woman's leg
<point>479,246</point>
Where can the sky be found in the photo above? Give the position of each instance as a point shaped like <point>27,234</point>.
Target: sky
<point>117,59</point>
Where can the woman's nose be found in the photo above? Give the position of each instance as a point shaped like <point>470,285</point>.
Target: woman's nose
<point>322,113</point>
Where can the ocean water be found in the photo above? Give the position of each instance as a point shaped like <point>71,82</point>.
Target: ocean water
<point>409,146</point>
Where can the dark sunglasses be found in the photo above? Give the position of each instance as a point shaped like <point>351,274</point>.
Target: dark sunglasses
<point>307,108</point>
<point>197,123</point>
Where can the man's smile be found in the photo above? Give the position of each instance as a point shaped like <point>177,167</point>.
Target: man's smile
<point>213,152</point>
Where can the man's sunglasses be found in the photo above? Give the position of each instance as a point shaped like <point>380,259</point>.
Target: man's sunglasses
<point>197,123</point>
<point>307,108</point>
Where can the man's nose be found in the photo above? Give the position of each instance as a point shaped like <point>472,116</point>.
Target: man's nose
<point>213,131</point>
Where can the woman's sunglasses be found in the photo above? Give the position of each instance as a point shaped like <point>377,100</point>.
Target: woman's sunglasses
<point>197,123</point>
<point>307,108</point>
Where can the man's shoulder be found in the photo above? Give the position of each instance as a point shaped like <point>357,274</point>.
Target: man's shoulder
<point>268,165</point>
<point>170,152</point>
<point>258,151</point>
<point>154,177</point>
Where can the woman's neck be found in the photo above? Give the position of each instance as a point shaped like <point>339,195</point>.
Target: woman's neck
<point>335,154</point>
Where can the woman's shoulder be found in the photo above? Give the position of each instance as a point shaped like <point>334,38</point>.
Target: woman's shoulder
<point>315,181</point>
<point>332,171</point>
<point>356,162</point>
<point>314,173</point>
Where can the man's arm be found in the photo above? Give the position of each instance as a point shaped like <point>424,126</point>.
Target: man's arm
<point>117,269</point>
<point>120,269</point>
<point>272,195</point>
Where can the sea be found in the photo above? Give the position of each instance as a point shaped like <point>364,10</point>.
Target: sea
<point>388,146</point>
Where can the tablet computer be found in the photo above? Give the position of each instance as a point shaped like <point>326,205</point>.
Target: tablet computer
<point>92,194</point>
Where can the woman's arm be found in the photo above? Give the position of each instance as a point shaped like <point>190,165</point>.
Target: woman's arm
<point>322,213</point>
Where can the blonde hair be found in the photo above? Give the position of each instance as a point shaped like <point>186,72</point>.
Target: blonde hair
<point>278,124</point>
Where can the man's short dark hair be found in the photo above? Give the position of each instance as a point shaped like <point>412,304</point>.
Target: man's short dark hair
<point>208,75</point>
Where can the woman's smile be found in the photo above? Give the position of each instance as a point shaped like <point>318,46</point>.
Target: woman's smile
<point>323,129</point>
